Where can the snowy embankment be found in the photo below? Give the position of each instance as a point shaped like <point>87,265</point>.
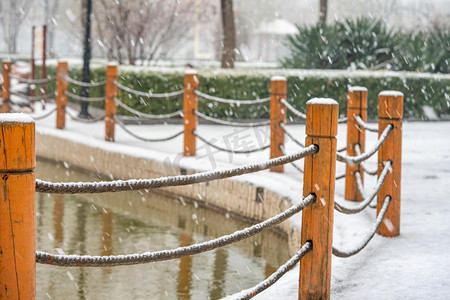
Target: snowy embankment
<point>415,265</point>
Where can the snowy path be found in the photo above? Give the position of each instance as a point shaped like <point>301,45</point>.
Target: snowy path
<point>415,265</point>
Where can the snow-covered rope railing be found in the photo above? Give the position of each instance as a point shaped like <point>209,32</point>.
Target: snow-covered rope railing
<point>231,101</point>
<point>280,272</point>
<point>347,253</point>
<point>367,199</point>
<point>148,95</point>
<point>31,81</point>
<point>231,123</point>
<point>83,120</point>
<point>340,176</point>
<point>32,98</point>
<point>342,120</point>
<point>82,98</point>
<point>290,135</point>
<point>359,158</point>
<point>360,186</point>
<point>365,125</point>
<point>146,139</point>
<point>342,149</point>
<point>147,257</point>
<point>84,84</point>
<point>362,164</point>
<point>139,184</point>
<point>204,140</point>
<point>44,115</point>
<point>293,109</point>
<point>178,113</point>
<point>292,163</point>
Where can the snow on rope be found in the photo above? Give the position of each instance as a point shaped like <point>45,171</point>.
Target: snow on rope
<point>146,139</point>
<point>369,236</point>
<point>292,163</point>
<point>231,123</point>
<point>365,125</point>
<point>342,120</point>
<point>362,164</point>
<point>148,95</point>
<point>204,140</point>
<point>148,116</point>
<point>293,109</point>
<point>83,120</point>
<point>84,84</point>
<point>340,176</point>
<point>82,98</point>
<point>44,115</point>
<point>32,98</point>
<point>342,149</point>
<point>231,101</point>
<point>289,265</point>
<point>139,184</point>
<point>31,81</point>
<point>360,158</point>
<point>367,199</point>
<point>290,135</point>
<point>147,257</point>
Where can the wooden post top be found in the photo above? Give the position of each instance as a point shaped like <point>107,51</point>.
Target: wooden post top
<point>357,102</point>
<point>322,117</point>
<point>112,69</point>
<point>190,79</point>
<point>390,105</point>
<point>63,65</point>
<point>17,154</point>
<point>278,85</point>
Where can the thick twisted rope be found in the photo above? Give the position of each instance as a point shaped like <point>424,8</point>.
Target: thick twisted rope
<point>231,101</point>
<point>293,109</point>
<point>134,184</point>
<point>204,140</point>
<point>119,122</point>
<point>292,163</point>
<point>342,149</point>
<point>148,95</point>
<point>365,125</point>
<point>340,176</point>
<point>342,120</point>
<point>290,135</point>
<point>289,265</point>
<point>147,257</point>
<point>369,236</point>
<point>31,81</point>
<point>84,84</point>
<point>32,98</point>
<point>363,204</point>
<point>148,116</point>
<point>44,115</point>
<point>360,158</point>
<point>83,120</point>
<point>231,123</point>
<point>82,98</point>
<point>362,164</point>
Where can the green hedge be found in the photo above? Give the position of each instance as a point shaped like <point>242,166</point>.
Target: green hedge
<point>419,90</point>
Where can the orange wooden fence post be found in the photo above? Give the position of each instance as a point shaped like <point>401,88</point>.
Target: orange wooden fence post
<point>390,111</point>
<point>61,98</point>
<point>110,103</point>
<point>190,104</point>
<point>17,208</point>
<point>319,178</point>
<point>278,91</point>
<point>356,106</point>
<point>6,95</point>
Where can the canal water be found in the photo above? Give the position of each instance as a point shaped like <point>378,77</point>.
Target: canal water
<point>136,222</point>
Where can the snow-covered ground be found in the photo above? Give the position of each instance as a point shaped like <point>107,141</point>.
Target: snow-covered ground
<point>415,265</point>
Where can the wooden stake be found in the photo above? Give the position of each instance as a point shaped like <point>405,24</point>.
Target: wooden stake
<point>190,104</point>
<point>61,98</point>
<point>319,179</point>
<point>110,103</point>
<point>356,106</point>
<point>17,208</point>
<point>278,91</point>
<point>6,95</point>
<point>390,111</point>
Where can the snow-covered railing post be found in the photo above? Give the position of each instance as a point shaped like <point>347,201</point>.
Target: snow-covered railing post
<point>390,112</point>
<point>190,105</point>
<point>110,102</point>
<point>62,72</point>
<point>319,179</point>
<point>6,85</point>
<point>17,207</point>
<point>278,91</point>
<point>356,106</point>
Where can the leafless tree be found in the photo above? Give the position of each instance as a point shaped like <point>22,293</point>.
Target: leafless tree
<point>12,14</point>
<point>229,34</point>
<point>323,9</point>
<point>51,12</point>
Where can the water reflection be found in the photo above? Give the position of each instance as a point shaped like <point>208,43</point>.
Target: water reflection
<point>135,222</point>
